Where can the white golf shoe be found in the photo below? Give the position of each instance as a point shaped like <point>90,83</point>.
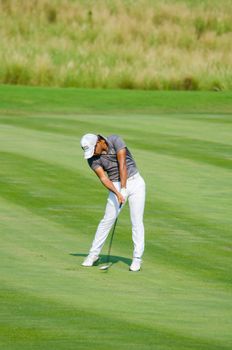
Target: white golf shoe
<point>90,260</point>
<point>136,264</point>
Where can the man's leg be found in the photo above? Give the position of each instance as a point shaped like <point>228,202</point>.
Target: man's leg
<point>136,189</point>
<point>111,213</point>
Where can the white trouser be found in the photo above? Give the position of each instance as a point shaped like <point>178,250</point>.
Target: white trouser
<point>136,197</point>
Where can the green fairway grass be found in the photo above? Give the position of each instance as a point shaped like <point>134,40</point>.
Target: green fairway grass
<point>51,203</point>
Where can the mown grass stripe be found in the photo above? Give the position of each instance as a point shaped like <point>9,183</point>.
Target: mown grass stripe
<point>47,189</point>
<point>41,323</point>
<point>213,153</point>
<point>60,100</point>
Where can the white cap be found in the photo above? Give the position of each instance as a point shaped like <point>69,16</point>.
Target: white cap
<point>88,143</point>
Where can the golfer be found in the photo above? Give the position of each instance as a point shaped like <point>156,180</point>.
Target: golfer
<point>113,163</point>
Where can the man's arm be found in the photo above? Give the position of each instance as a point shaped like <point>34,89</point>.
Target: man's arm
<point>121,156</point>
<point>108,184</point>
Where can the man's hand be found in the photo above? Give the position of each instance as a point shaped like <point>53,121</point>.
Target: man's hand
<point>109,184</point>
<point>122,195</point>
<point>123,192</point>
<point>121,199</point>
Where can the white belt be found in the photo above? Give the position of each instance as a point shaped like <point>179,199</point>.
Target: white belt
<point>133,177</point>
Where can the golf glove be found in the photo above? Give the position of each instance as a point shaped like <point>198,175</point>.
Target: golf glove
<point>123,192</point>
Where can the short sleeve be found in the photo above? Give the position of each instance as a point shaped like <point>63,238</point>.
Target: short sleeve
<point>94,163</point>
<point>118,143</point>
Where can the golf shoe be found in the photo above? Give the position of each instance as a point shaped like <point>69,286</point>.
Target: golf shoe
<point>136,264</point>
<point>90,260</point>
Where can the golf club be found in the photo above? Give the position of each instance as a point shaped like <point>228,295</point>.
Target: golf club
<point>105,267</point>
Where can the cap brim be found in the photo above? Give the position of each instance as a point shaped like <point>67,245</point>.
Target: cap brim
<point>89,153</point>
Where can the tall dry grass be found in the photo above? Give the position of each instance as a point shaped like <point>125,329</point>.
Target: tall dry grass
<point>144,44</point>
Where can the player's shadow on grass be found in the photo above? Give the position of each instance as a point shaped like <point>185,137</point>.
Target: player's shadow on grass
<point>103,259</point>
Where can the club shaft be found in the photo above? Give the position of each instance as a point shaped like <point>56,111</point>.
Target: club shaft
<point>112,236</point>
<point>111,240</point>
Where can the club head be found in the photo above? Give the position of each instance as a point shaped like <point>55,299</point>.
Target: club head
<point>104,267</point>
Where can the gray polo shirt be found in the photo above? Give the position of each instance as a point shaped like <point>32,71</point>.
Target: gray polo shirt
<point>109,161</point>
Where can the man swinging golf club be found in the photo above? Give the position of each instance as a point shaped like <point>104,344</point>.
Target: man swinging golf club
<point>113,163</point>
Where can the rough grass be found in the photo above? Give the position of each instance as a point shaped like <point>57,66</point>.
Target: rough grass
<point>144,44</point>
